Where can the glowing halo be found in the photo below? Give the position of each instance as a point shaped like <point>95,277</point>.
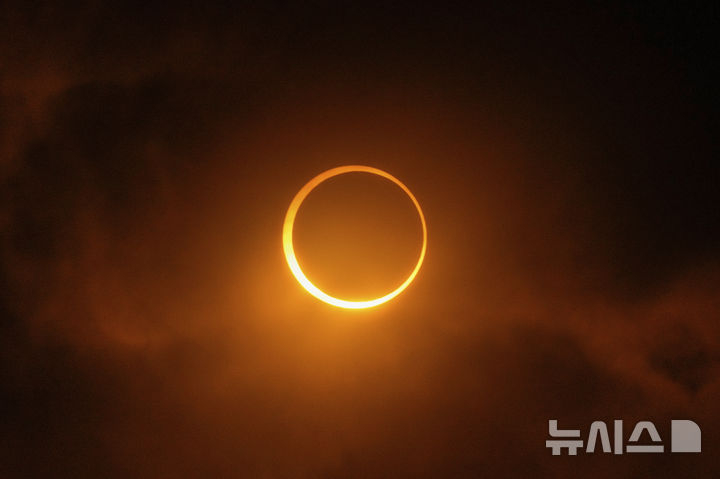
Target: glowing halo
<point>287,237</point>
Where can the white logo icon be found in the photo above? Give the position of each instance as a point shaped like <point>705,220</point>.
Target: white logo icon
<point>685,437</point>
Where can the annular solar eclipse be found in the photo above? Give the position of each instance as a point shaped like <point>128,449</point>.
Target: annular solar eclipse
<point>287,239</point>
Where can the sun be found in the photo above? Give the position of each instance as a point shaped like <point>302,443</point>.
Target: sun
<point>287,238</point>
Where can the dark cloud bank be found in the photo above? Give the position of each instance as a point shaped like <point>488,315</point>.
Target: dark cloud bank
<point>566,161</point>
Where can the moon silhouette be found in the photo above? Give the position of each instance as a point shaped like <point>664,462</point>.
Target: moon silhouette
<point>287,239</point>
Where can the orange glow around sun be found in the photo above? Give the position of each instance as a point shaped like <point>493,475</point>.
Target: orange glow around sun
<point>287,238</point>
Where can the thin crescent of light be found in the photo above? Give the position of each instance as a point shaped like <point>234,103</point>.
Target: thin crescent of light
<point>287,237</point>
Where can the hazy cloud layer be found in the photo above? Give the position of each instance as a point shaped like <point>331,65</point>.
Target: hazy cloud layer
<point>150,328</point>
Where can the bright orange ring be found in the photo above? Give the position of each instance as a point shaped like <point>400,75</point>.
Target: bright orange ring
<point>290,251</point>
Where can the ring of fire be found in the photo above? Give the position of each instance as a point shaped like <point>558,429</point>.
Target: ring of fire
<point>287,238</point>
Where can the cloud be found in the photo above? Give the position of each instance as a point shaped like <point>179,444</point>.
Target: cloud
<point>150,327</point>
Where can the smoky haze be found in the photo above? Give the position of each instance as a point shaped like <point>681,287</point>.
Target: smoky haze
<point>565,161</point>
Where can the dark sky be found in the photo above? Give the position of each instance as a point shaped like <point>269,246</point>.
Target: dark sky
<point>566,160</point>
